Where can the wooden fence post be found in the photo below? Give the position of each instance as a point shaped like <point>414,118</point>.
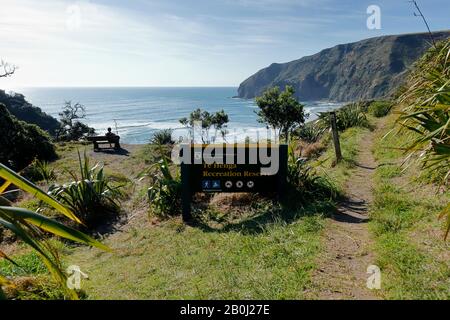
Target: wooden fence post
<point>337,145</point>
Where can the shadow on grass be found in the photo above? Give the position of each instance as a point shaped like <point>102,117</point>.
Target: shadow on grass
<point>269,211</point>
<point>119,152</point>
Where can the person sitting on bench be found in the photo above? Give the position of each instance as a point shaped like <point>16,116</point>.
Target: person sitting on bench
<point>109,134</point>
<point>109,138</point>
<point>113,138</point>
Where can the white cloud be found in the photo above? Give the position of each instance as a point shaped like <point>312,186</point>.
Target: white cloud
<point>62,42</point>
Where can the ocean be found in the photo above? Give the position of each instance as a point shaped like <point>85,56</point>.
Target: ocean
<point>136,113</point>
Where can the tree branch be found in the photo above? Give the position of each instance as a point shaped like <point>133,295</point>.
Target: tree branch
<point>6,69</point>
<point>424,20</point>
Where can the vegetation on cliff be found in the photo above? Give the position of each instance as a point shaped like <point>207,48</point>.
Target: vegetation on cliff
<point>18,106</point>
<point>22,142</point>
<point>369,69</point>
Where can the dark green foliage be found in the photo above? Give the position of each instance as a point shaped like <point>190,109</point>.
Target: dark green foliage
<point>426,110</point>
<point>21,143</point>
<point>280,110</point>
<point>162,137</point>
<point>72,129</point>
<point>27,264</point>
<point>310,132</point>
<point>380,108</point>
<point>165,192</point>
<point>25,111</point>
<point>426,113</point>
<point>304,184</point>
<point>39,171</point>
<point>218,121</point>
<point>351,115</point>
<point>90,195</point>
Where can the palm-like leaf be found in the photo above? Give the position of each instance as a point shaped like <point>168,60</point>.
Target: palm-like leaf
<point>12,177</point>
<point>90,193</point>
<point>28,226</point>
<point>427,113</point>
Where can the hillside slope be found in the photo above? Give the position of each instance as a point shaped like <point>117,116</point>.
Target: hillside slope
<point>367,69</point>
<point>19,107</point>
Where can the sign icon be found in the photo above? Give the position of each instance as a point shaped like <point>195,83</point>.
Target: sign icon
<point>216,184</point>
<point>206,184</point>
<point>250,184</point>
<point>198,155</point>
<point>228,184</point>
<point>239,184</point>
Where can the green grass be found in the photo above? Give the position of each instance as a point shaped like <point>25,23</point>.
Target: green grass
<point>257,251</point>
<point>380,108</point>
<point>28,264</point>
<point>30,277</point>
<point>265,251</point>
<point>174,261</point>
<point>341,172</point>
<point>409,246</point>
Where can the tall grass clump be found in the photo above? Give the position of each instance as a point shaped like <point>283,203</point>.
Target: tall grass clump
<point>162,137</point>
<point>305,184</point>
<point>426,113</point>
<point>380,109</point>
<point>40,171</point>
<point>351,115</point>
<point>309,133</point>
<point>165,193</point>
<point>90,194</point>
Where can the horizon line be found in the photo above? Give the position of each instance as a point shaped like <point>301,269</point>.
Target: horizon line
<point>119,86</point>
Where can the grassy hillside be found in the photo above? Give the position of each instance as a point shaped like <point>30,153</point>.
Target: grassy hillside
<point>250,247</point>
<point>408,236</point>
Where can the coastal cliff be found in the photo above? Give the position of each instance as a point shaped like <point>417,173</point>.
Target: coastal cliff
<point>368,69</point>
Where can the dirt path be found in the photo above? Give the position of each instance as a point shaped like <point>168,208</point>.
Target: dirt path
<point>347,253</point>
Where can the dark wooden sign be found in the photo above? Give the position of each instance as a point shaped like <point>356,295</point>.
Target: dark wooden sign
<point>231,168</point>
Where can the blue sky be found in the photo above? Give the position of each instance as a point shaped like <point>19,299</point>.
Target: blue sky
<point>183,42</point>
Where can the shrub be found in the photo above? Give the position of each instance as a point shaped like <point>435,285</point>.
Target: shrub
<point>218,121</point>
<point>280,110</point>
<point>351,115</point>
<point>310,132</point>
<point>21,143</point>
<point>165,192</point>
<point>426,113</point>
<point>162,137</point>
<point>39,171</point>
<point>20,108</point>
<point>305,183</point>
<point>91,195</point>
<point>380,108</point>
<point>426,109</point>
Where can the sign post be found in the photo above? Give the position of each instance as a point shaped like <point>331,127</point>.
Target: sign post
<point>337,144</point>
<point>232,168</point>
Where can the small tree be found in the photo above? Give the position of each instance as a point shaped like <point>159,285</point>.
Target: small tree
<point>219,121</point>
<point>280,110</point>
<point>72,128</point>
<point>207,120</point>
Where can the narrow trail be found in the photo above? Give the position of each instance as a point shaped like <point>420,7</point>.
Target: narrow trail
<point>347,252</point>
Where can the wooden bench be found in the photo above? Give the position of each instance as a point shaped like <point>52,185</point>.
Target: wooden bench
<point>102,140</point>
